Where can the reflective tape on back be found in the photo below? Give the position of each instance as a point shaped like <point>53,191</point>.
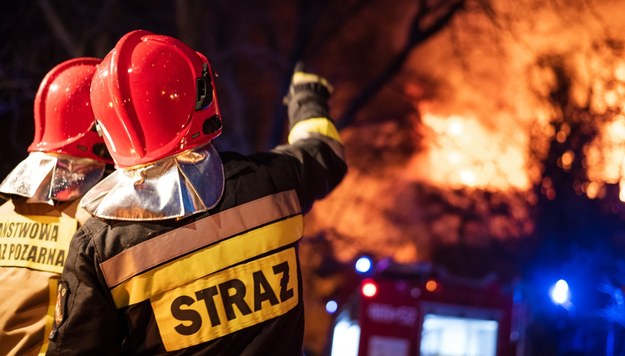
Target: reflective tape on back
<point>208,260</point>
<point>181,241</point>
<point>227,301</point>
<point>35,241</point>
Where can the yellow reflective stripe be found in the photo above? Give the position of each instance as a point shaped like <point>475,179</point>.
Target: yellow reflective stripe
<point>52,287</point>
<point>38,242</point>
<point>227,301</point>
<point>196,235</point>
<point>320,125</point>
<point>302,78</point>
<point>208,260</point>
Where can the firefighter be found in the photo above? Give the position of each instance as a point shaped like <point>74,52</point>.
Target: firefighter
<point>193,250</point>
<point>66,158</point>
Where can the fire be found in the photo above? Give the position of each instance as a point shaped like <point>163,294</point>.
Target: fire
<point>483,108</point>
<point>605,158</point>
<point>462,152</point>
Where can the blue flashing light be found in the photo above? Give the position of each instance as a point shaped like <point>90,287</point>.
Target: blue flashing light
<point>364,265</point>
<point>331,306</point>
<point>560,292</point>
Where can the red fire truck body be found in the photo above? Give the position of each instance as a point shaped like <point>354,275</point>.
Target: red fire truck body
<point>412,310</point>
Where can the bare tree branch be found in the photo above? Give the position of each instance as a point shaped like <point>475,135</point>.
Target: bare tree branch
<point>308,14</point>
<point>186,22</point>
<point>58,28</point>
<point>420,31</point>
<point>341,21</point>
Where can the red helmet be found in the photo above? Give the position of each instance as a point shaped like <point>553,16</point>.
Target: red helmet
<point>154,97</point>
<point>64,120</point>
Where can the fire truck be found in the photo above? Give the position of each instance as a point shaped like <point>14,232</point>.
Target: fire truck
<point>419,309</point>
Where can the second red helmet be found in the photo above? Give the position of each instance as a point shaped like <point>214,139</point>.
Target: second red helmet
<point>64,120</point>
<point>154,97</point>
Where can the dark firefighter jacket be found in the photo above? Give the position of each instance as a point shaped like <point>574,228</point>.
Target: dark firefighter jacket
<point>34,241</point>
<point>223,282</point>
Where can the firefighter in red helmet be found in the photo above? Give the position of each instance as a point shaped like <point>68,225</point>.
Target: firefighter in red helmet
<point>66,158</point>
<point>193,251</point>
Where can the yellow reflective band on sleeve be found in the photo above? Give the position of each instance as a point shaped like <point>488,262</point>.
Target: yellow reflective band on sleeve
<point>35,241</point>
<point>320,125</point>
<point>227,301</point>
<point>208,260</point>
<point>302,77</point>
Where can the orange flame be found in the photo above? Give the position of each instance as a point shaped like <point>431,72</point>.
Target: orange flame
<point>461,152</point>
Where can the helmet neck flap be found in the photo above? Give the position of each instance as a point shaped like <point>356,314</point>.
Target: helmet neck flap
<point>48,177</point>
<point>174,187</point>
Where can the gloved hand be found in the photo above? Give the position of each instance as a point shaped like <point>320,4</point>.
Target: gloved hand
<point>308,96</point>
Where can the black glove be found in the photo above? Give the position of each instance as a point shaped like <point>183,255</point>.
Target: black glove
<point>307,97</point>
